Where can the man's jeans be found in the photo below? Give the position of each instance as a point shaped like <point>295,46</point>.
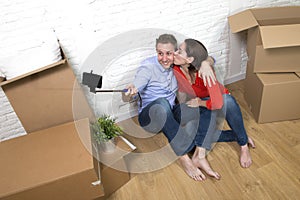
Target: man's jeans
<point>158,116</point>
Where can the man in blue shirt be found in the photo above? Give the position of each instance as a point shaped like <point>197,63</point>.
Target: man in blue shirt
<point>157,86</point>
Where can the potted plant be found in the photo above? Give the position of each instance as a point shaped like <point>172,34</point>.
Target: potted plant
<point>104,132</point>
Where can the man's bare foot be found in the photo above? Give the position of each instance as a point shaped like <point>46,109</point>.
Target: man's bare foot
<point>245,157</point>
<point>201,162</point>
<point>191,170</point>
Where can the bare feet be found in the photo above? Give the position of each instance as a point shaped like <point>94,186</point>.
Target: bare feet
<point>201,162</point>
<point>251,142</point>
<point>190,169</point>
<point>245,157</point>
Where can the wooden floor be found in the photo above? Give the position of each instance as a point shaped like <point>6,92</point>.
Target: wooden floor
<point>275,173</point>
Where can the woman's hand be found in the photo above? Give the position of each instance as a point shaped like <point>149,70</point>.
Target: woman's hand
<point>196,102</point>
<point>206,72</point>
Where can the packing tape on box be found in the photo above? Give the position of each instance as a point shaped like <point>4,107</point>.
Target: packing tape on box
<point>96,183</point>
<point>128,143</point>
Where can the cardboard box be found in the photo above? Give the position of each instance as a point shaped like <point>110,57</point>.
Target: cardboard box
<point>114,168</point>
<point>273,97</point>
<point>54,160</point>
<point>42,94</point>
<point>51,161</point>
<point>273,42</point>
<point>48,164</point>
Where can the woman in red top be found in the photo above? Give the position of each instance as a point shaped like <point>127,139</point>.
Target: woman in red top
<point>217,98</point>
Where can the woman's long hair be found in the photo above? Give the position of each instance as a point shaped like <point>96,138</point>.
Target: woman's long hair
<point>196,49</point>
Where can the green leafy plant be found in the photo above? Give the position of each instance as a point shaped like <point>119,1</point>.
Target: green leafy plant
<point>105,129</point>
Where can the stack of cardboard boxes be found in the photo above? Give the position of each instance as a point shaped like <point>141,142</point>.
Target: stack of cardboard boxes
<point>272,85</point>
<point>54,160</point>
<point>51,161</point>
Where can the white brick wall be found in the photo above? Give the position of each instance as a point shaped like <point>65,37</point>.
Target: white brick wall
<point>82,25</point>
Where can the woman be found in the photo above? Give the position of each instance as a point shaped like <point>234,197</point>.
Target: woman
<point>193,91</point>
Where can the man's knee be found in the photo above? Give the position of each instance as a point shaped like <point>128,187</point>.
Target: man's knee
<point>162,105</point>
<point>162,101</point>
<point>156,116</point>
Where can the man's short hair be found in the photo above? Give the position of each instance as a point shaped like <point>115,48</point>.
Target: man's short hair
<point>167,38</point>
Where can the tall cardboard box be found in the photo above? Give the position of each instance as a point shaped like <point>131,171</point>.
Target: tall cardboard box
<point>273,96</point>
<point>273,42</point>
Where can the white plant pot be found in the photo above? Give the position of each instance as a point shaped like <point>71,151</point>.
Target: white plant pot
<point>109,146</point>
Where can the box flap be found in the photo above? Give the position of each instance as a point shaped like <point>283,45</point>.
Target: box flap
<point>280,36</point>
<point>51,91</point>
<point>279,15</point>
<point>264,16</point>
<point>278,78</point>
<point>242,21</point>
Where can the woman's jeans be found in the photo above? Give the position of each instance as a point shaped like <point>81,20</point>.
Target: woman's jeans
<point>232,113</point>
<point>208,123</point>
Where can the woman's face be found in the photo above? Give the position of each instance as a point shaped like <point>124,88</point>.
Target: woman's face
<point>180,56</point>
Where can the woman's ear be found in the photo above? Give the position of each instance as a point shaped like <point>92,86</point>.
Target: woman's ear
<point>190,59</point>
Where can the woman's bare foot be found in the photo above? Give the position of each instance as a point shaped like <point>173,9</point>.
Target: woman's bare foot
<point>245,157</point>
<point>201,162</point>
<point>251,142</point>
<point>191,170</point>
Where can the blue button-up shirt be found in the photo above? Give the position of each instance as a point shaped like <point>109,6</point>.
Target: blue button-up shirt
<point>153,82</point>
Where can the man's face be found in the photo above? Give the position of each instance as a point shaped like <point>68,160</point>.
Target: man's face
<point>165,54</point>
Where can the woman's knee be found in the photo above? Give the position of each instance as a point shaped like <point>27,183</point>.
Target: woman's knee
<point>230,105</point>
<point>229,100</point>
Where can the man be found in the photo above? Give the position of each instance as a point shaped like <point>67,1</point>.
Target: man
<point>157,86</point>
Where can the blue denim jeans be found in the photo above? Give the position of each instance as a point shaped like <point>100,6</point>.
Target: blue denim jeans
<point>232,113</point>
<point>158,116</point>
<point>208,122</point>
<point>187,127</point>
